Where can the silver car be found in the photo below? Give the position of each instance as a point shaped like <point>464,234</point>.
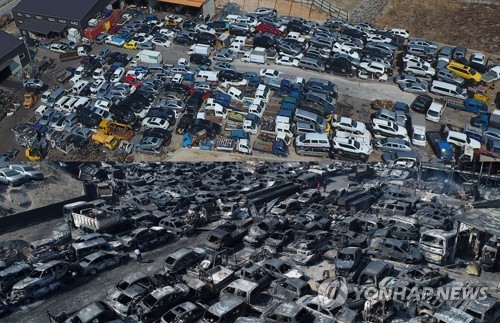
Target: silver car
<point>28,171</point>
<point>11,177</point>
<point>392,144</point>
<point>414,87</point>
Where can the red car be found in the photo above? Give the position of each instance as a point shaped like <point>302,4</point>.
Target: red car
<point>267,28</point>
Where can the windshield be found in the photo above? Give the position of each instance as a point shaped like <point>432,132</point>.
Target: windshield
<point>357,145</point>
<point>10,173</point>
<point>319,120</point>
<point>448,153</point>
<point>418,137</point>
<point>433,113</point>
<point>170,260</point>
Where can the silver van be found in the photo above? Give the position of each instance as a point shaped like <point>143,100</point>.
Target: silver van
<point>445,75</point>
<point>305,127</point>
<point>389,115</point>
<point>312,64</point>
<point>313,144</point>
<point>55,96</point>
<point>448,89</point>
<point>310,117</point>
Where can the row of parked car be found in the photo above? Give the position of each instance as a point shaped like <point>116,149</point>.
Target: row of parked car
<point>257,263</point>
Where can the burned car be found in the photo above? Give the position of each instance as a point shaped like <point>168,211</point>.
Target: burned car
<point>434,218</point>
<point>393,249</point>
<point>349,263</point>
<point>123,301</point>
<point>186,312</point>
<point>176,225</point>
<point>99,261</point>
<point>13,274</point>
<point>321,306</point>
<point>183,258</point>
<point>309,248</point>
<point>278,239</point>
<point>290,288</point>
<point>259,232</point>
<point>287,312</point>
<point>93,312</point>
<point>146,238</point>
<point>255,273</point>
<point>44,279</point>
<point>278,268</point>
<point>425,276</point>
<point>153,305</point>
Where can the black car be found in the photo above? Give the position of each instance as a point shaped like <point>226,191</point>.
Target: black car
<point>87,117</point>
<point>164,134</point>
<point>184,124</point>
<point>177,87</point>
<point>212,129</point>
<point>76,140</point>
<point>377,52</point>
<point>238,32</point>
<point>354,33</point>
<point>182,40</point>
<point>339,65</point>
<point>123,114</point>
<point>298,27</point>
<point>199,59</point>
<point>219,26</point>
<point>163,113</point>
<point>193,103</point>
<point>205,38</point>
<point>86,90</point>
<point>264,41</point>
<point>229,75</point>
<point>421,103</point>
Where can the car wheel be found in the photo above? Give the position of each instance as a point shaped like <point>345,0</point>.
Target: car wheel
<point>428,76</point>
<point>28,300</point>
<point>409,72</point>
<point>378,74</point>
<point>93,272</point>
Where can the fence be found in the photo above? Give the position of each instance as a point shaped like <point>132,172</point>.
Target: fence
<point>30,217</point>
<point>331,10</point>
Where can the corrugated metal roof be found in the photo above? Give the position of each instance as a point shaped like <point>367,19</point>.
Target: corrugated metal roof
<point>190,3</point>
<point>487,220</point>
<point>9,43</point>
<point>64,9</point>
<point>42,26</point>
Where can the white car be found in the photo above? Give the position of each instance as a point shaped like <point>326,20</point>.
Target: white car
<point>349,125</point>
<point>202,28</point>
<point>167,32</point>
<point>374,67</point>
<point>409,59</point>
<point>41,110</point>
<point>378,38</point>
<point>286,60</point>
<point>269,72</point>
<point>161,42</point>
<point>105,114</point>
<point>478,58</point>
<point>137,74</point>
<point>384,129</point>
<point>153,122</point>
<point>143,38</point>
<point>102,104</point>
<point>345,49</point>
<point>403,33</point>
<point>348,146</point>
<point>96,85</point>
<point>98,74</point>
<point>420,69</point>
<point>174,18</point>
<point>117,75</point>
<point>58,48</point>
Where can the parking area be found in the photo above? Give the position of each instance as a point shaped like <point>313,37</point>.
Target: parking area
<point>318,225</point>
<point>355,94</point>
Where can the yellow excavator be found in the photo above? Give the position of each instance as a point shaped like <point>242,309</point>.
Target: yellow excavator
<point>38,151</point>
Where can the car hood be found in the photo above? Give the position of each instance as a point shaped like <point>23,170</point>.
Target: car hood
<point>294,273</point>
<point>344,264</point>
<point>26,282</point>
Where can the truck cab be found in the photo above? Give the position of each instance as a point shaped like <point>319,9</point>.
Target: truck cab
<point>109,142</point>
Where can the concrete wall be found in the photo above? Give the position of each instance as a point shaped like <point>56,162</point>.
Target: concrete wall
<point>30,217</point>
<point>7,5</point>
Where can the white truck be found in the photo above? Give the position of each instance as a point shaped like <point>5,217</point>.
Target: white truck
<point>199,49</point>
<point>148,57</point>
<point>258,55</point>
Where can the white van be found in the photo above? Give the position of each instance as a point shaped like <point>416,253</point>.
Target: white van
<point>448,89</point>
<point>208,76</point>
<point>461,140</point>
<point>199,49</point>
<point>418,135</point>
<point>59,105</point>
<point>313,144</point>
<point>232,18</point>
<point>79,86</point>
<point>45,96</point>
<point>435,111</point>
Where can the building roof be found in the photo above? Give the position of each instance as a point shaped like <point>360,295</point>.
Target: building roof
<point>42,26</point>
<point>189,3</point>
<point>9,43</point>
<point>64,9</point>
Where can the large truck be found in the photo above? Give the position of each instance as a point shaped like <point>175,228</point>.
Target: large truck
<point>87,217</point>
<point>440,146</point>
<point>120,131</point>
<point>468,105</point>
<point>487,120</point>
<point>148,57</point>
<point>257,55</point>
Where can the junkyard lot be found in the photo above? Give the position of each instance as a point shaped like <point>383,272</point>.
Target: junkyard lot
<point>354,99</point>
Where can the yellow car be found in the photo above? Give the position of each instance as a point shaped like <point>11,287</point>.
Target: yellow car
<point>130,45</point>
<point>464,71</point>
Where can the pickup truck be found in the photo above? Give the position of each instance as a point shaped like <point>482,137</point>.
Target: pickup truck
<point>207,284</point>
<point>226,235</point>
<point>252,294</point>
<point>233,125</point>
<point>66,75</point>
<point>487,120</point>
<point>278,147</point>
<point>440,146</point>
<point>469,105</point>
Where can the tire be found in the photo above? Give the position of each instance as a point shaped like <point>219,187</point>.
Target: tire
<point>409,72</point>
<point>340,152</point>
<point>93,272</point>
<point>378,74</point>
<point>28,300</point>
<point>428,76</point>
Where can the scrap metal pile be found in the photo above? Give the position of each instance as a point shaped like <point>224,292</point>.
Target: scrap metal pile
<point>282,243</point>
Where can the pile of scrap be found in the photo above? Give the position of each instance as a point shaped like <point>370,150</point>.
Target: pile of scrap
<point>382,104</point>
